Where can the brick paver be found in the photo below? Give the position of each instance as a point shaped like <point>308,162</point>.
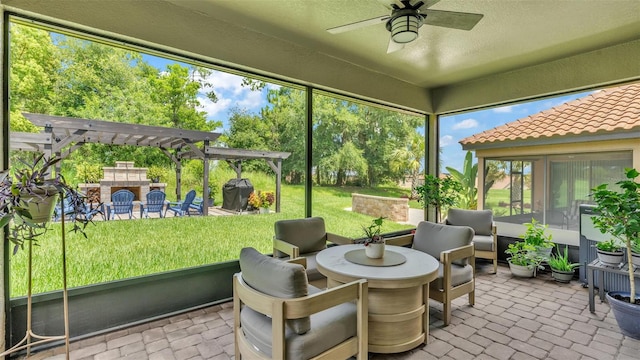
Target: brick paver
<point>514,319</point>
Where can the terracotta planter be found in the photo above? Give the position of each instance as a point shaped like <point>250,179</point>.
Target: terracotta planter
<point>610,258</point>
<point>562,276</point>
<point>521,271</point>
<point>374,251</point>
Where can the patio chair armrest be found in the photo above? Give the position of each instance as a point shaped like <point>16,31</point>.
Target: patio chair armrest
<point>299,260</point>
<point>339,239</point>
<point>285,247</point>
<point>462,252</point>
<point>400,240</point>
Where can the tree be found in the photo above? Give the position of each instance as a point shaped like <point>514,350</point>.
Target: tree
<point>248,131</point>
<point>347,161</point>
<point>176,91</point>
<point>34,63</point>
<point>467,180</point>
<point>407,160</point>
<point>441,193</point>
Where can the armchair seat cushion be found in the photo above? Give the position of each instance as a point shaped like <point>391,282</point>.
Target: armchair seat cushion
<point>459,275</point>
<point>330,328</point>
<point>483,242</point>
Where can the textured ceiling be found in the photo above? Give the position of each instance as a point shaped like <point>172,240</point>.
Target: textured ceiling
<point>511,35</point>
<point>520,49</point>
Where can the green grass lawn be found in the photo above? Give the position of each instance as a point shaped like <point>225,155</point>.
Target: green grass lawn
<point>127,248</point>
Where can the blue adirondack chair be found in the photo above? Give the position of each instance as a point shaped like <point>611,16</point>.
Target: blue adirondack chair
<point>64,210</point>
<point>155,203</point>
<point>181,208</point>
<point>121,203</point>
<point>197,205</point>
<point>68,209</point>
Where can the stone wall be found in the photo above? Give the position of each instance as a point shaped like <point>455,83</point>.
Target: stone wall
<point>394,209</point>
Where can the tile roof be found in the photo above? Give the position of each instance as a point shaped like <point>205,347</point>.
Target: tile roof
<point>609,110</point>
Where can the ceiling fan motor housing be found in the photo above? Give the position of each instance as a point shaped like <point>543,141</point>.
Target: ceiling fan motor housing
<point>404,25</point>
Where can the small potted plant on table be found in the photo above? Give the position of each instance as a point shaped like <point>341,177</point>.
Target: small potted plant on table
<point>618,215</point>
<point>561,269</point>
<point>374,242</point>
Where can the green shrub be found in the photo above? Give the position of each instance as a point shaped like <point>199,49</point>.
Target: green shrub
<point>560,261</point>
<point>157,173</point>
<point>88,173</point>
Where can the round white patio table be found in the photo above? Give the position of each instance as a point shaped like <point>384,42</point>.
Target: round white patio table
<point>398,295</point>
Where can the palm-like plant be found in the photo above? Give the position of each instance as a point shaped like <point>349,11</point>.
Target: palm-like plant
<point>467,178</point>
<point>407,160</point>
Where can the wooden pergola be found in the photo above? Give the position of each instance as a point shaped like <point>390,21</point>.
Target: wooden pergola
<point>63,135</point>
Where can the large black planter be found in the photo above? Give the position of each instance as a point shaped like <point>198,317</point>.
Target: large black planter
<point>627,314</point>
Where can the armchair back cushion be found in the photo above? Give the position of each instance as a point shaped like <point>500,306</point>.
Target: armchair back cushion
<point>308,234</point>
<point>276,278</point>
<point>433,239</point>
<point>481,221</point>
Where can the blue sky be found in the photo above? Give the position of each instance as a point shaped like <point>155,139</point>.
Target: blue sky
<point>457,127</point>
<point>231,93</point>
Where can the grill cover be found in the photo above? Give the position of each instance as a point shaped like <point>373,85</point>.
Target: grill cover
<point>235,194</point>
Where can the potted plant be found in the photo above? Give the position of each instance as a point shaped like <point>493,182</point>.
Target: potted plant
<point>261,200</point>
<point>156,173</point>
<point>535,235</point>
<point>27,199</point>
<point>617,213</point>
<point>609,252</point>
<point>254,200</point>
<point>523,259</point>
<point>561,269</point>
<point>374,242</point>
<point>439,193</point>
<point>267,198</point>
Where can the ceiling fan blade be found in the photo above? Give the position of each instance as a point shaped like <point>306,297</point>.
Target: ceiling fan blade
<point>387,3</point>
<point>452,19</point>
<point>394,46</point>
<point>358,24</point>
<point>427,4</point>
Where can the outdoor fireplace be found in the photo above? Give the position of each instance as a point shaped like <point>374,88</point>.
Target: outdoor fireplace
<point>126,176</point>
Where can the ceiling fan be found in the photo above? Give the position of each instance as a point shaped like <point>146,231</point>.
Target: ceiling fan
<point>406,19</point>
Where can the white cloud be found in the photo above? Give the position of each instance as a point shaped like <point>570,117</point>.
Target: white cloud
<point>251,100</point>
<point>213,109</point>
<point>446,140</point>
<point>503,109</point>
<point>230,93</point>
<point>466,124</point>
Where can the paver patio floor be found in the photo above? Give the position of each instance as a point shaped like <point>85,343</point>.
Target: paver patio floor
<point>512,319</point>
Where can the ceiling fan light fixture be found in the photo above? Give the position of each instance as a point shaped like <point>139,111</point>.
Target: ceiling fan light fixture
<point>404,28</point>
